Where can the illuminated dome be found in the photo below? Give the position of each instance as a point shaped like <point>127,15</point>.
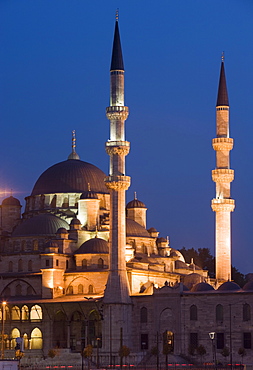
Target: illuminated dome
<point>11,201</point>
<point>94,246</point>
<point>135,203</point>
<point>70,176</point>
<point>43,224</point>
<point>202,287</point>
<point>135,229</point>
<point>229,286</point>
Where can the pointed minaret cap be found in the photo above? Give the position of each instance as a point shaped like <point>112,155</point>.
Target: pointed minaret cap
<point>73,155</point>
<point>222,98</point>
<point>117,58</point>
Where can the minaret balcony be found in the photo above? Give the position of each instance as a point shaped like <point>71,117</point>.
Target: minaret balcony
<point>223,175</point>
<point>117,182</point>
<point>117,112</point>
<point>120,148</point>
<point>223,143</point>
<point>223,205</point>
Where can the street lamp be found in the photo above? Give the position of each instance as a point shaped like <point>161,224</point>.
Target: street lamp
<point>3,321</point>
<point>98,345</point>
<point>212,337</point>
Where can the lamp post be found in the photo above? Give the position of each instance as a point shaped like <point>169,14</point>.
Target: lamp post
<point>98,344</point>
<point>212,337</point>
<point>3,322</point>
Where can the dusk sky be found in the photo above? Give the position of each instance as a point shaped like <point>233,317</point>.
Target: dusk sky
<point>54,78</point>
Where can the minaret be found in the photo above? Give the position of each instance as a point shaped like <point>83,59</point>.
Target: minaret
<point>117,289</point>
<point>222,205</point>
<point>117,302</point>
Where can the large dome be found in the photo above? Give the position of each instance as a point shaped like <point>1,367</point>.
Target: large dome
<point>70,176</point>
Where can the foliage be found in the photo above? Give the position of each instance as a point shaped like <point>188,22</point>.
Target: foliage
<point>201,351</point>
<point>52,353</point>
<point>203,258</point>
<point>167,349</point>
<point>191,350</point>
<point>241,352</point>
<point>225,352</point>
<point>154,351</point>
<point>124,351</point>
<point>87,352</point>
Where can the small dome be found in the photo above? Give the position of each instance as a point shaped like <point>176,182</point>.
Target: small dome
<point>180,265</point>
<point>135,229</point>
<point>176,253</point>
<point>135,203</point>
<point>152,230</point>
<point>51,244</point>
<point>202,287</point>
<point>11,201</point>
<point>192,279</point>
<point>61,230</point>
<point>93,246</point>
<point>248,285</point>
<point>75,221</point>
<point>229,286</point>
<point>42,224</point>
<point>161,240</point>
<point>89,195</point>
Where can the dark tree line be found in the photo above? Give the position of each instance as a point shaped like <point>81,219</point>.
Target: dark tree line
<point>203,258</point>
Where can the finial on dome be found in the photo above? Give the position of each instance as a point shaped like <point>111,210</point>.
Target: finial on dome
<point>135,195</point>
<point>73,155</point>
<point>88,186</point>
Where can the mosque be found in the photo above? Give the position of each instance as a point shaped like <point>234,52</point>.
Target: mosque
<point>79,267</point>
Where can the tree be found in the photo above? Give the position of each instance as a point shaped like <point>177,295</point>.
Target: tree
<point>241,352</point>
<point>201,351</point>
<point>124,351</point>
<point>166,351</point>
<point>225,352</point>
<point>87,353</point>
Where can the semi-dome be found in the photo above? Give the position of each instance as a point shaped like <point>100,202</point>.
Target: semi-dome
<point>70,176</point>
<point>11,201</point>
<point>202,287</point>
<point>135,229</point>
<point>229,286</point>
<point>93,246</point>
<point>135,203</point>
<point>42,224</point>
<point>248,286</point>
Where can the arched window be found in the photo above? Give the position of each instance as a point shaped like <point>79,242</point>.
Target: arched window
<point>84,263</point>
<point>10,266</point>
<point>67,264</point>
<point>100,263</point>
<point>23,245</point>
<point>29,290</point>
<point>15,333</point>
<point>36,339</point>
<point>35,245</point>
<point>26,341</point>
<point>18,289</point>
<point>70,290</point>
<point>80,289</point>
<point>246,312</point>
<point>36,313</point>
<point>91,289</point>
<point>30,265</point>
<point>193,313</point>
<point>24,313</point>
<point>15,313</point>
<point>60,330</point>
<point>20,265</point>
<point>219,312</point>
<point>144,315</point>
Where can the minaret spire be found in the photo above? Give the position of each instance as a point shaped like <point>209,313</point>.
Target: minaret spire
<point>73,154</point>
<point>223,205</point>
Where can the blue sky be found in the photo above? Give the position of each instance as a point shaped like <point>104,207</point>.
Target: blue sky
<point>54,77</point>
